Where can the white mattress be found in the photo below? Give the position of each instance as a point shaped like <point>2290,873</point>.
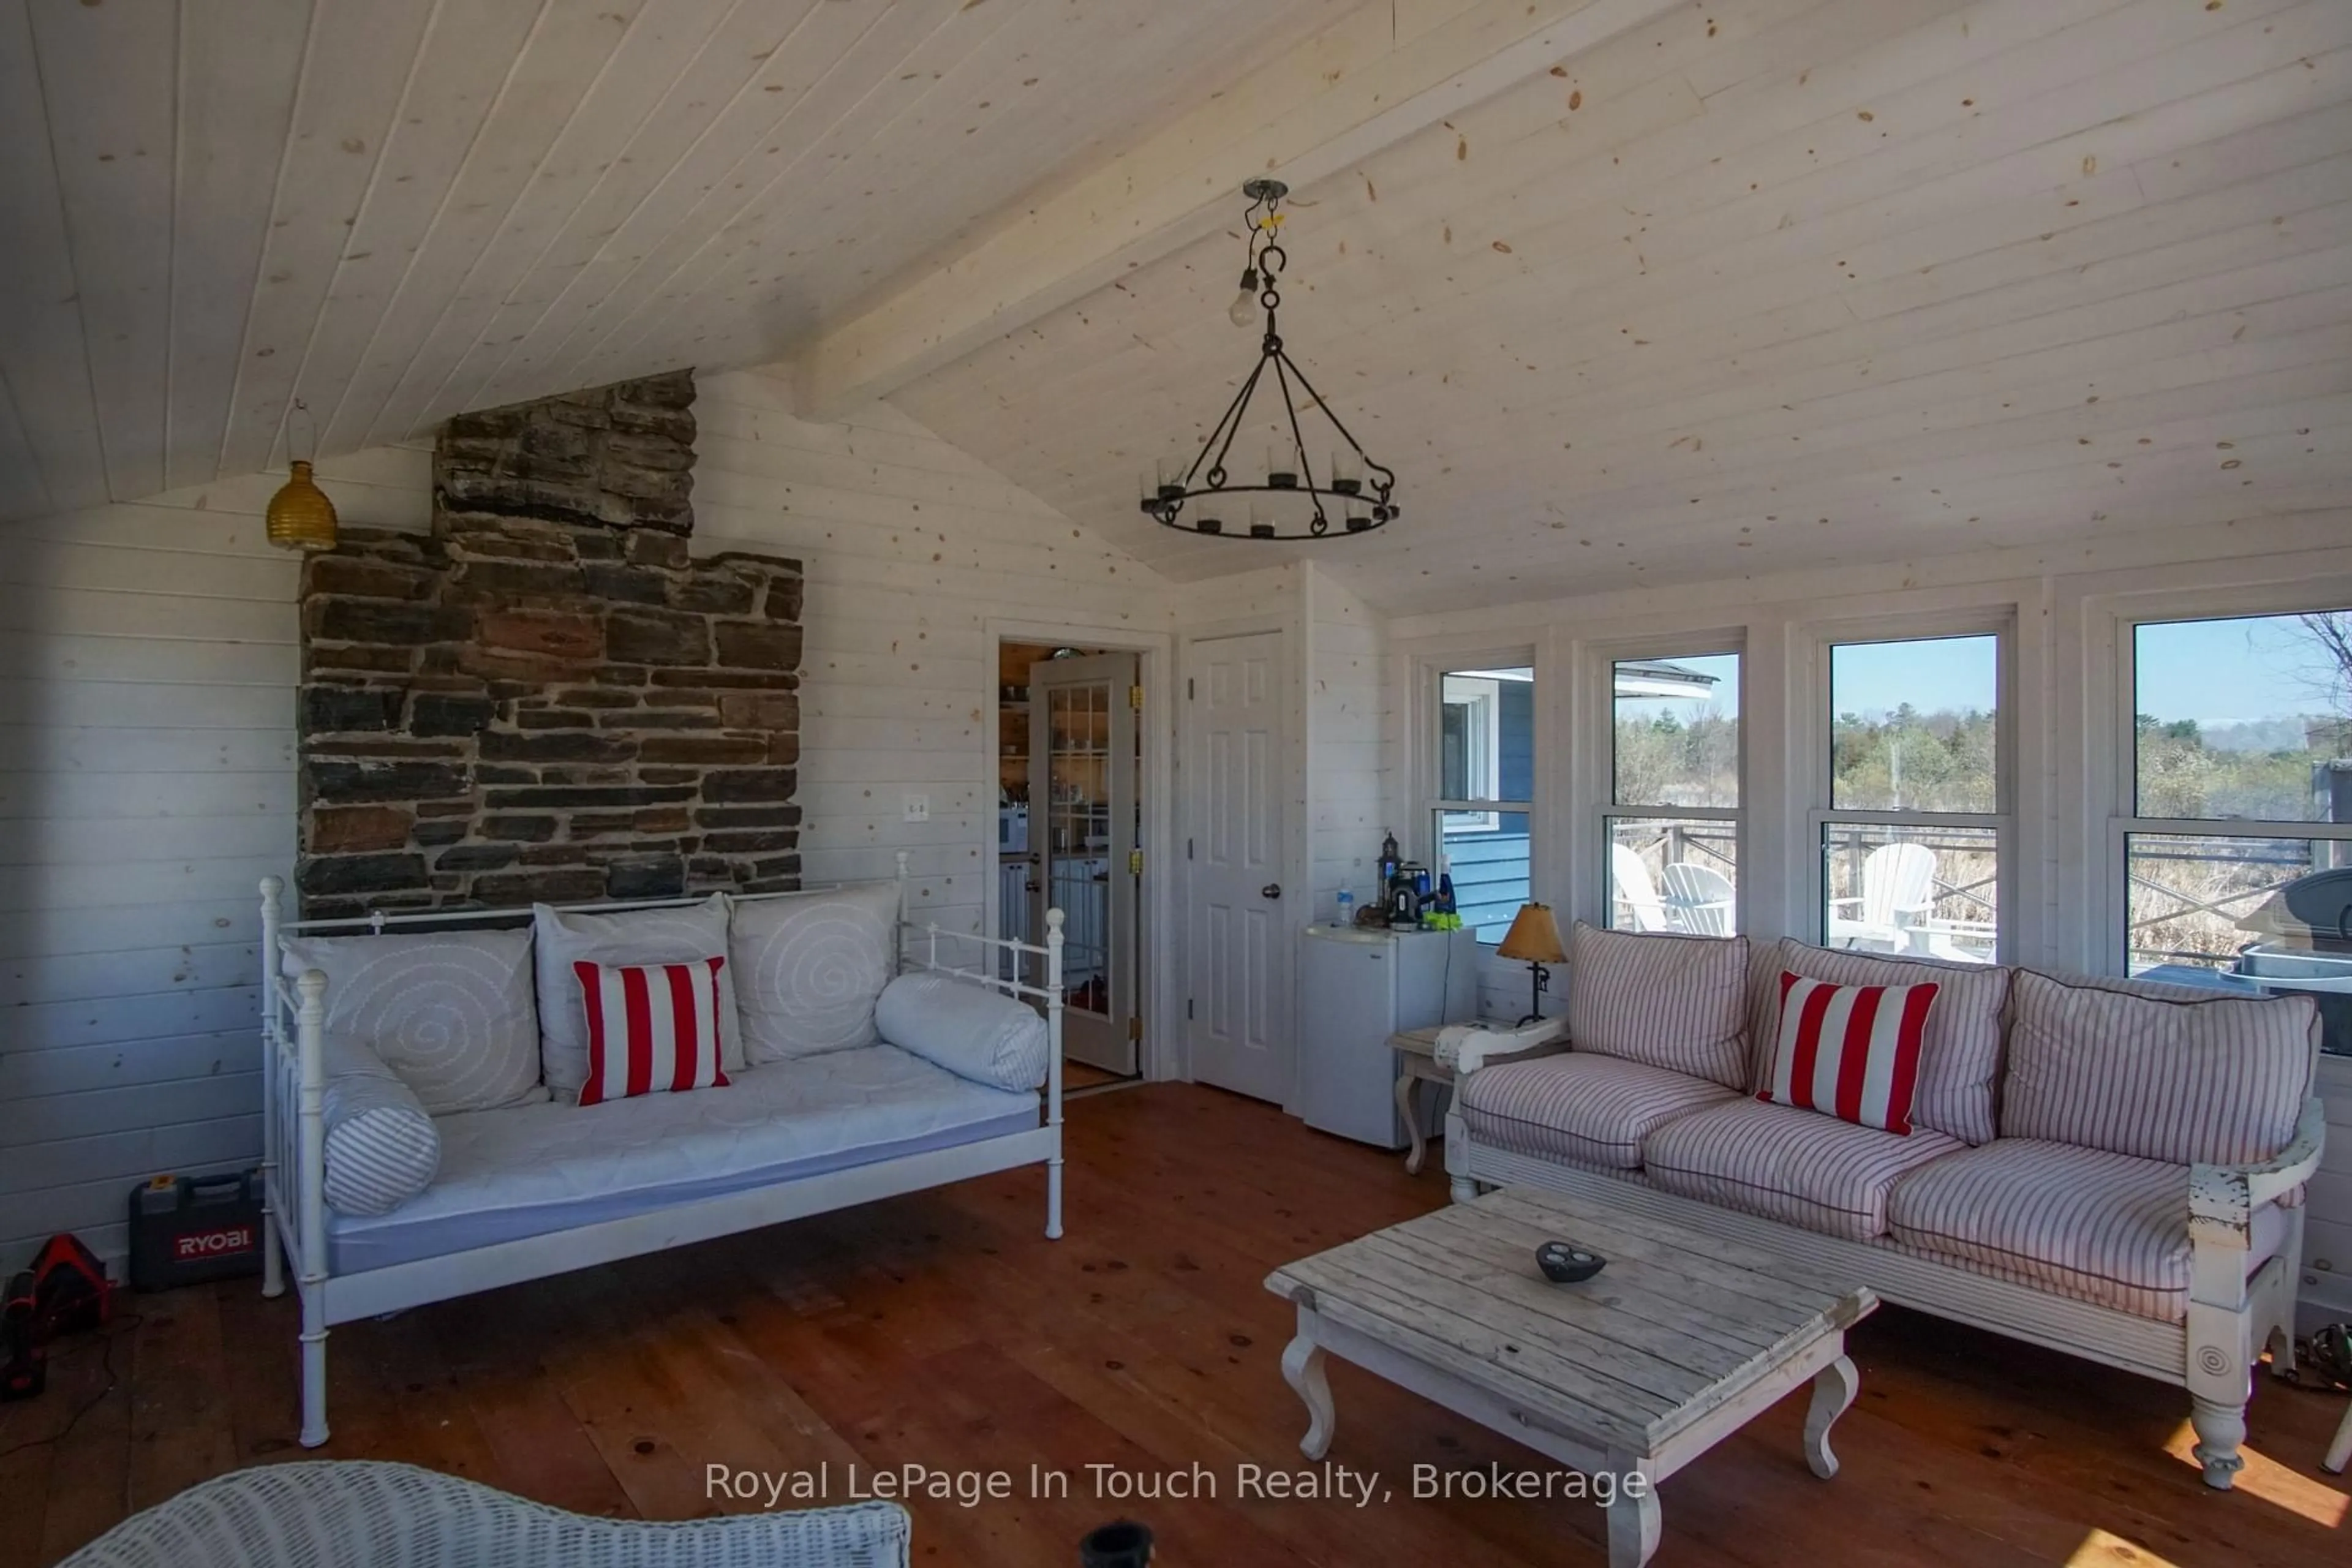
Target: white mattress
<point>530,1168</point>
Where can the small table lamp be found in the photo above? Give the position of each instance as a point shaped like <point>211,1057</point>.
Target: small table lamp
<point>1534,939</point>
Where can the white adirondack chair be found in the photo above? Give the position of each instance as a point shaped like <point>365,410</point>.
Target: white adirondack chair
<point>1699,898</point>
<point>1898,891</point>
<point>1635,891</point>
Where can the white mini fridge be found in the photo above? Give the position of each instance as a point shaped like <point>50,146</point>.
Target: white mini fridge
<point>1356,988</point>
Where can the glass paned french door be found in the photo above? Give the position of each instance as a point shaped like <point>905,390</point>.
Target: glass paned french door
<point>1084,812</point>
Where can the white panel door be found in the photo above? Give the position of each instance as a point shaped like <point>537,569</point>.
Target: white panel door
<point>1241,953</point>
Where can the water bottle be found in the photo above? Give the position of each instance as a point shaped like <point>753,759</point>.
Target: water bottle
<point>1347,910</point>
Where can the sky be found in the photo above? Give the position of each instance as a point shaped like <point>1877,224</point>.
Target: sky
<point>1722,699</point>
<point>1935,675</point>
<point>2216,672</point>
<point>2221,672</point>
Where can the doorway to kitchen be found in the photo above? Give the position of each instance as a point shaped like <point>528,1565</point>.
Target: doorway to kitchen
<point>1069,836</point>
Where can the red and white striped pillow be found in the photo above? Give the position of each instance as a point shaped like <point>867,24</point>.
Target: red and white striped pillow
<point>652,1028</point>
<point>1852,1051</point>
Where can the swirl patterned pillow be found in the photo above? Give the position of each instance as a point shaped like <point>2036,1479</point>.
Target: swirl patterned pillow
<point>451,1013</point>
<point>809,969</point>
<point>382,1149</point>
<point>565,936</point>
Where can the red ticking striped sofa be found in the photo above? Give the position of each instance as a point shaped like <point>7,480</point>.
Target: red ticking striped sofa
<point>2108,1167</point>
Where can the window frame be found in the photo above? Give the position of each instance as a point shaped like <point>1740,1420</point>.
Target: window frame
<point>1821,729</point>
<point>1482,746</point>
<point>1601,661</point>
<point>2122,760</point>
<point>1427,836</point>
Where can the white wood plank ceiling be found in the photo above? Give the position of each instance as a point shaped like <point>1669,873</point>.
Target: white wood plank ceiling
<point>396,209</point>
<point>1629,292</point>
<point>1766,284</point>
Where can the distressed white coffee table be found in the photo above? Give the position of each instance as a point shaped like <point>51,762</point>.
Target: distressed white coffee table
<point>1679,1343</point>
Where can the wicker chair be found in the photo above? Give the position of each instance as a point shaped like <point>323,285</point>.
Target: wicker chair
<point>329,1513</point>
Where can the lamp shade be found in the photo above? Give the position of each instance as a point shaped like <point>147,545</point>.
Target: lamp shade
<point>1534,937</point>
<point>300,515</point>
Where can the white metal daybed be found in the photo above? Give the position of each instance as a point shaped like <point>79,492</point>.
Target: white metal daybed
<point>517,1196</point>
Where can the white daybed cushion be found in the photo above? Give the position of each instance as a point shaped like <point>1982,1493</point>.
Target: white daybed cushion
<point>506,1174</point>
<point>972,1031</point>
<point>564,937</point>
<point>382,1149</point>
<point>450,1012</point>
<point>810,967</point>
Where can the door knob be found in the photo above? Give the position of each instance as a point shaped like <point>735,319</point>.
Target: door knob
<point>1271,890</point>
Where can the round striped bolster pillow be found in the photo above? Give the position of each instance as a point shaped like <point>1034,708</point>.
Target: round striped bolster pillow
<point>972,1031</point>
<point>382,1148</point>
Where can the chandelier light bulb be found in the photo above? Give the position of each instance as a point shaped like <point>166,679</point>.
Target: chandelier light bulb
<point>1244,311</point>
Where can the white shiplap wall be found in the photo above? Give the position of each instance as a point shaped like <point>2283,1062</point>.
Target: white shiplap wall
<point>1349,804</point>
<point>911,549</point>
<point>148,662</point>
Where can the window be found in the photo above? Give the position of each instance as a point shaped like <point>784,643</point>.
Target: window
<point>1673,822</point>
<point>1470,746</point>
<point>2237,837</point>
<point>1911,843</point>
<point>1485,784</point>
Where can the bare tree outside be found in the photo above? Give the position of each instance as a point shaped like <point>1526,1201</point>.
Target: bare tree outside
<point>2270,747</point>
<point>2331,635</point>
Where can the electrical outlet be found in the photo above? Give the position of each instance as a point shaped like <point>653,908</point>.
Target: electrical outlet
<point>918,807</point>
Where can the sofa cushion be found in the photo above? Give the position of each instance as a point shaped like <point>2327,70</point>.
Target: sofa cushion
<point>382,1149</point>
<point>1849,1051</point>
<point>561,938</point>
<point>451,1013</point>
<point>809,968</point>
<point>1798,1166</point>
<point>1590,1110</point>
<point>2157,1072</point>
<point>652,1028</point>
<point>2106,1227</point>
<point>1671,1002</point>
<point>1959,1054</point>
<point>535,1169</point>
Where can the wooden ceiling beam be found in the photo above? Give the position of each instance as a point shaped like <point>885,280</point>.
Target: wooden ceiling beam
<point>1380,75</point>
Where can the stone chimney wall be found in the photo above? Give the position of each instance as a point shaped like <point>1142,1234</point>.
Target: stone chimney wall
<point>548,698</point>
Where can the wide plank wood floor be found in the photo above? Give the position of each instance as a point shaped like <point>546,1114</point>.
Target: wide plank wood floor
<point>942,1328</point>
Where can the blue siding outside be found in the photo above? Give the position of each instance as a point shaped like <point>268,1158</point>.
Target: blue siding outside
<point>1515,741</point>
<point>1490,876</point>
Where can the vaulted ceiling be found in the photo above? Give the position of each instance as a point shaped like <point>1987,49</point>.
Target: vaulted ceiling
<point>1628,291</point>
<point>397,209</point>
<point>1766,285</point>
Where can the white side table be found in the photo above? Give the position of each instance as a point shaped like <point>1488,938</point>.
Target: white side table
<point>1417,1064</point>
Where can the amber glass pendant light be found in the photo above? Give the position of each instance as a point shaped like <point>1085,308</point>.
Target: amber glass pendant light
<point>300,515</point>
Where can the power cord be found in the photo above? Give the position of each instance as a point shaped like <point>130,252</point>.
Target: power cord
<point>118,1330</point>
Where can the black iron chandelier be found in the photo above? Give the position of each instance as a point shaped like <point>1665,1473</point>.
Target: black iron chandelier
<point>1196,500</point>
